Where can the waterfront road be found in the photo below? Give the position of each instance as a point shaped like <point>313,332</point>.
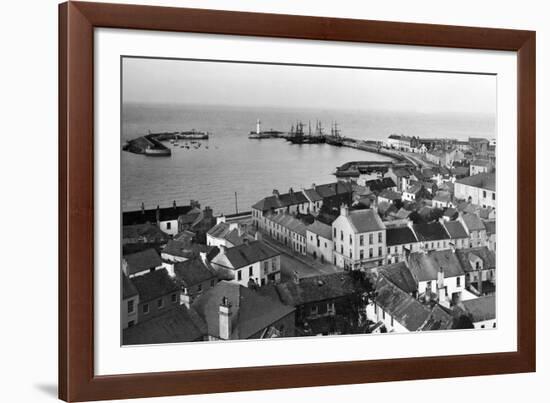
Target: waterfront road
<point>292,262</point>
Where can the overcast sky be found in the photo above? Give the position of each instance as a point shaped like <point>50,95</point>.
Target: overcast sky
<point>217,83</point>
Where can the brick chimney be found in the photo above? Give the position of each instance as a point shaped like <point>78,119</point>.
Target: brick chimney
<point>142,208</point>
<point>276,193</point>
<point>174,204</point>
<point>344,210</point>
<point>158,214</point>
<point>225,319</point>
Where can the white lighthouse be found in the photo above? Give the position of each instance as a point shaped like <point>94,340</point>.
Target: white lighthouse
<point>258,124</point>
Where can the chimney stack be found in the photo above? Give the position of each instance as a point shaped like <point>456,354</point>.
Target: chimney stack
<point>174,204</point>
<point>223,249</point>
<point>225,319</point>
<point>185,298</point>
<point>142,208</point>
<point>158,214</point>
<point>276,193</point>
<point>440,278</point>
<point>344,210</point>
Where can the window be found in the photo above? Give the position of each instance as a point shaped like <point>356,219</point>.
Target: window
<point>212,283</point>
<point>389,250</point>
<point>361,240</point>
<point>370,252</point>
<point>379,251</point>
<point>484,194</point>
<point>494,195</point>
<point>168,225</point>
<point>131,306</point>
<point>342,249</point>
<point>341,235</point>
<point>361,254</point>
<point>174,298</point>
<point>145,309</point>
<point>239,276</point>
<point>313,310</point>
<point>350,239</point>
<point>132,323</point>
<point>160,303</point>
<point>350,253</point>
<point>392,321</point>
<point>334,232</point>
<point>266,266</point>
<point>383,314</point>
<point>379,237</point>
<point>483,326</point>
<point>370,239</point>
<point>250,271</point>
<point>429,285</point>
<point>458,281</point>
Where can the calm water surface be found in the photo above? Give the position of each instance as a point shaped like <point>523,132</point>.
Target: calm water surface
<point>253,168</point>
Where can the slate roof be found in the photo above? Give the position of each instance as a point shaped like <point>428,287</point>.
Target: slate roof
<point>150,215</point>
<point>400,236</point>
<point>482,308</point>
<point>400,275</point>
<point>140,261</point>
<point>443,196</point>
<point>402,213</point>
<point>439,319</point>
<point>312,195</point>
<point>193,272</point>
<point>317,288</point>
<point>482,180</point>
<point>390,194</point>
<point>487,256</point>
<point>321,229</point>
<point>290,222</point>
<point>154,285</point>
<point>405,309</point>
<point>333,189</point>
<point>365,221</point>
<point>128,289</point>
<point>147,231</point>
<point>380,184</point>
<point>473,222</point>
<point>450,212</point>
<point>177,248</point>
<point>490,227</point>
<point>430,232</point>
<point>281,201</point>
<point>249,253</point>
<point>224,230</point>
<point>177,325</point>
<point>425,266</point>
<point>251,311</point>
<point>455,229</point>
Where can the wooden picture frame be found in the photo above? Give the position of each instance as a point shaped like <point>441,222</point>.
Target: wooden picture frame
<point>77,21</point>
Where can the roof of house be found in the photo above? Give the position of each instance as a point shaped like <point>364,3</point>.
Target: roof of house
<point>400,236</point>
<point>482,308</point>
<point>482,180</point>
<point>466,258</point>
<point>430,232</point>
<point>150,215</point>
<point>450,212</point>
<point>460,171</point>
<point>177,248</point>
<point>405,309</point>
<point>225,231</point>
<point>251,311</point>
<point>177,325</point>
<point>321,229</point>
<point>248,253</point>
<point>414,187</point>
<point>400,275</point>
<point>193,271</point>
<point>140,261</point>
<point>490,226</point>
<point>481,163</point>
<point>390,194</point>
<point>455,229</point>
<point>312,195</point>
<point>333,189</point>
<point>365,221</point>
<point>289,222</point>
<point>317,288</point>
<point>280,201</point>
<point>425,266</point>
<point>146,230</point>
<point>443,196</point>
<point>403,213</point>
<point>473,222</point>
<point>380,184</point>
<point>486,212</point>
<point>439,319</point>
<point>154,285</point>
<point>128,289</point>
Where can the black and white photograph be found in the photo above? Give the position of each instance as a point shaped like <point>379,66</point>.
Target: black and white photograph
<point>265,200</point>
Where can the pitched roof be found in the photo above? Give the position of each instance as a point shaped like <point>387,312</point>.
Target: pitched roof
<point>439,319</point>
<point>143,260</point>
<point>280,201</point>
<point>473,222</point>
<point>312,195</point>
<point>177,248</point>
<point>248,253</point>
<point>425,266</point>
<point>400,236</point>
<point>154,285</point>
<point>317,288</point>
<point>365,221</point>
<point>490,227</point>
<point>193,272</point>
<point>390,194</point>
<point>482,180</point>
<point>455,229</point>
<point>482,308</point>
<point>290,222</point>
<point>128,289</point>
<point>226,231</point>
<point>466,256</point>
<point>443,196</point>
<point>405,309</point>
<point>400,275</point>
<point>450,212</point>
<point>150,215</point>
<point>402,213</point>
<point>251,311</point>
<point>177,325</point>
<point>380,184</point>
<point>430,232</point>
<point>321,229</point>
<point>146,230</point>
<point>333,189</point>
